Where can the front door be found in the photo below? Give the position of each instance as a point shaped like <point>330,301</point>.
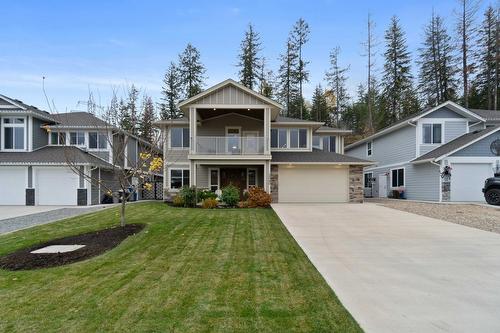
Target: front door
<point>233,140</point>
<point>235,176</point>
<point>382,186</point>
<point>250,142</point>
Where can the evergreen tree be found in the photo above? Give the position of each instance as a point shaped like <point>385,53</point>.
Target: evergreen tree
<point>171,93</point>
<point>191,71</point>
<point>287,79</point>
<point>487,80</point>
<point>438,67</point>
<point>133,96</point>
<point>125,121</point>
<point>356,115</point>
<point>267,80</point>
<point>299,36</point>
<point>319,108</point>
<point>336,79</point>
<point>248,59</point>
<point>397,83</point>
<point>146,130</point>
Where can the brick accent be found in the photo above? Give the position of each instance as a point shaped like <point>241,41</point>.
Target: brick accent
<point>30,197</point>
<point>81,198</point>
<point>446,189</point>
<point>356,183</point>
<point>274,183</point>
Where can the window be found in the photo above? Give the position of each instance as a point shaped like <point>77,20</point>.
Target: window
<point>302,138</point>
<point>432,133</point>
<point>13,133</point>
<point>77,138</point>
<point>282,138</point>
<point>298,138</point>
<point>214,179</point>
<point>98,140</point>
<point>317,142</point>
<point>179,178</point>
<point>398,177</point>
<point>274,138</point>
<point>368,180</point>
<point>329,143</point>
<point>251,177</point>
<point>179,137</point>
<point>58,138</point>
<point>369,148</point>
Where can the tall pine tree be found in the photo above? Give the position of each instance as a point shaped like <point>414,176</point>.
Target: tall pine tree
<point>171,93</point>
<point>438,67</point>
<point>319,108</point>
<point>133,96</point>
<point>146,130</point>
<point>336,78</point>
<point>287,80</point>
<point>299,36</point>
<point>248,59</point>
<point>191,71</point>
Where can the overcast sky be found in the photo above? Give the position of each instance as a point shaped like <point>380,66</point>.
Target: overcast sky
<point>98,45</point>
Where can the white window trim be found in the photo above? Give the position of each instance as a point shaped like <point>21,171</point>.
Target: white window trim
<point>169,139</point>
<point>288,148</point>
<point>369,151</point>
<point>256,177</point>
<point>77,145</point>
<point>24,125</point>
<point>170,177</point>
<point>432,133</point>
<point>367,173</point>
<point>404,177</point>
<point>210,178</point>
<point>87,138</point>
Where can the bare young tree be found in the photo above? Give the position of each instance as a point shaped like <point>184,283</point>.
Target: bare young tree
<point>369,48</point>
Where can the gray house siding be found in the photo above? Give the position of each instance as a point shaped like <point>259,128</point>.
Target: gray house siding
<point>443,112</point>
<point>229,95</point>
<point>480,148</point>
<point>131,152</point>
<point>454,129</point>
<point>40,136</point>
<point>477,127</point>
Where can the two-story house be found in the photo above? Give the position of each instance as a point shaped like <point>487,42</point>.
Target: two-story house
<point>232,134</point>
<point>444,153</point>
<point>59,159</point>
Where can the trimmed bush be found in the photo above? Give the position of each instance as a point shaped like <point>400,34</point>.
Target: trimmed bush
<point>209,203</point>
<point>188,194</point>
<point>230,195</point>
<point>257,197</point>
<point>178,201</point>
<point>206,194</point>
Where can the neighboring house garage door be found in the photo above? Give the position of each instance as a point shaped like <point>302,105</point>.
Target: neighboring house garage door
<point>467,181</point>
<point>13,185</point>
<point>56,186</point>
<point>299,183</point>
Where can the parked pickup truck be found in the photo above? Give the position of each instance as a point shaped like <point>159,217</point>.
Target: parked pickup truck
<point>491,190</point>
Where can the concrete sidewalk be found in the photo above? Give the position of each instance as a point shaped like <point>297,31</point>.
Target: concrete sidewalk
<point>400,272</point>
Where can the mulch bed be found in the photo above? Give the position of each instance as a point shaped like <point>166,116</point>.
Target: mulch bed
<point>96,243</point>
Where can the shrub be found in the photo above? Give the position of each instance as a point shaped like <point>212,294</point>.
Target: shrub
<point>178,201</point>
<point>257,197</point>
<point>188,194</point>
<point>206,194</point>
<point>243,204</point>
<point>230,195</point>
<point>209,203</point>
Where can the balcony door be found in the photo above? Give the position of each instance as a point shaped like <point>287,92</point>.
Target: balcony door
<point>233,140</point>
<point>250,142</point>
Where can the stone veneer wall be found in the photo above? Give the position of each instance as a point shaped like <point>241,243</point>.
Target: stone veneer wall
<point>446,189</point>
<point>274,183</point>
<point>356,183</point>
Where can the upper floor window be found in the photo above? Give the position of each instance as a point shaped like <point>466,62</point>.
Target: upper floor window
<point>13,133</point>
<point>98,140</point>
<point>279,138</point>
<point>179,137</point>
<point>369,148</point>
<point>329,143</point>
<point>298,138</point>
<point>58,138</point>
<point>317,142</point>
<point>283,138</point>
<point>432,133</point>
<point>77,138</point>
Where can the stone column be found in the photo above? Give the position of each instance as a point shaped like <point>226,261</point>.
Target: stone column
<point>356,183</point>
<point>274,182</point>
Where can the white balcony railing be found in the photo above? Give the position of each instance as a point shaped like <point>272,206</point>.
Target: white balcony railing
<point>229,145</point>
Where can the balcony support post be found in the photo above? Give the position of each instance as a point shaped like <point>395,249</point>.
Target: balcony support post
<point>192,129</point>
<point>267,129</point>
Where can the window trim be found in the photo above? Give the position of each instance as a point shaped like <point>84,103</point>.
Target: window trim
<point>432,124</point>
<point>210,178</point>
<point>182,177</point>
<point>24,125</point>
<point>320,146</point>
<point>364,179</point>
<point>106,134</point>
<point>256,177</point>
<point>404,177</point>
<point>369,148</point>
<point>184,147</point>
<point>77,144</point>
<point>288,139</point>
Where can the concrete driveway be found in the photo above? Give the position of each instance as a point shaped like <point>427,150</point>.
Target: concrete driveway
<point>8,212</point>
<point>400,272</point>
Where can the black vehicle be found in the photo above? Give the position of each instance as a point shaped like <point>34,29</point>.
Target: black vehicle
<point>491,190</point>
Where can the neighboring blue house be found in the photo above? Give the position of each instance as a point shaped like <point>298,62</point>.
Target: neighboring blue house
<point>444,153</point>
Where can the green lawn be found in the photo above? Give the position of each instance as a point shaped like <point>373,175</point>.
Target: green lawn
<point>189,270</point>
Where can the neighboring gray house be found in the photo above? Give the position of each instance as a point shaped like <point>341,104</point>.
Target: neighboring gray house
<point>444,153</point>
<point>36,146</point>
<point>232,134</point>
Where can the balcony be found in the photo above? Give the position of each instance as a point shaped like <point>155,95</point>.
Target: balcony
<point>230,145</point>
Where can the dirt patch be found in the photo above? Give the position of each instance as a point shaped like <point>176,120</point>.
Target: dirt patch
<point>475,216</point>
<point>96,243</point>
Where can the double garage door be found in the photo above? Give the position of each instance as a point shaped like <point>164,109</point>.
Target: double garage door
<point>53,185</point>
<point>467,180</point>
<point>312,183</point>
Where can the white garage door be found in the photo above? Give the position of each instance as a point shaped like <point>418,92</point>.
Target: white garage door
<point>56,186</point>
<point>467,180</point>
<point>313,184</point>
<point>13,185</point>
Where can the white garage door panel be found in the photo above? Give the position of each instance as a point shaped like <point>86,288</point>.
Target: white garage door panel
<point>13,185</point>
<point>56,186</point>
<point>313,184</point>
<point>467,181</point>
